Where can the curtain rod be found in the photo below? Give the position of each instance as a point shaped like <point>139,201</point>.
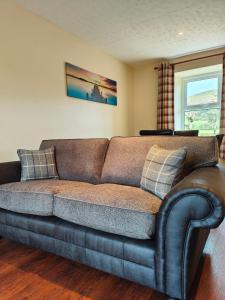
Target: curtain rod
<point>193,59</point>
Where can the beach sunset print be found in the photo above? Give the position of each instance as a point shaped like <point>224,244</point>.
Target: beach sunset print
<point>85,85</point>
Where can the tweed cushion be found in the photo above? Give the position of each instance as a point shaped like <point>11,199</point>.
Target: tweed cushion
<point>126,155</point>
<point>37,164</point>
<point>79,159</point>
<point>118,209</point>
<point>34,197</point>
<point>162,169</point>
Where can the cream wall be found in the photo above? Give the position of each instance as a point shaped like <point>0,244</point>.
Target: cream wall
<point>33,101</point>
<point>145,86</point>
<point>145,95</point>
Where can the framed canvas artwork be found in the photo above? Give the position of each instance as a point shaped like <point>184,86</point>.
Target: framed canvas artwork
<point>86,85</point>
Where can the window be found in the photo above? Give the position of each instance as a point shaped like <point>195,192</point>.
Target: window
<point>199,97</point>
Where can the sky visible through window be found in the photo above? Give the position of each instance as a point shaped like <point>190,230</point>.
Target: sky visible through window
<point>200,86</point>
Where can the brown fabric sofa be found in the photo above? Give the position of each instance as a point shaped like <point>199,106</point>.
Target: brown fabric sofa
<point>97,214</point>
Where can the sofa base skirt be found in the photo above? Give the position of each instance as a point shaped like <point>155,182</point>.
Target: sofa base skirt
<point>122,268</point>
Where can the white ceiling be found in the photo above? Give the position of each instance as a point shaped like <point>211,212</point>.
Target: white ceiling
<point>136,30</point>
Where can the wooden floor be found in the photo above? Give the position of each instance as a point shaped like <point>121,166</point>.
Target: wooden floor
<point>26,273</point>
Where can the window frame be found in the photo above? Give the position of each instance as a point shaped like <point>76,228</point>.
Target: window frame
<point>185,107</point>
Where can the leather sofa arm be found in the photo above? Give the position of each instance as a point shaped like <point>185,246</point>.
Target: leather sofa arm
<point>10,172</point>
<point>192,207</point>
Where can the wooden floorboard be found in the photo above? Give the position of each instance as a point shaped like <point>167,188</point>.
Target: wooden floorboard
<point>27,273</point>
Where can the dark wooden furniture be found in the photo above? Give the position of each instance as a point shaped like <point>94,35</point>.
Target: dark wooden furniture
<point>186,132</point>
<point>156,132</point>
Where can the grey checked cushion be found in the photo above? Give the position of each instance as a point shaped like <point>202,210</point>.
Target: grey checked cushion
<point>162,169</point>
<point>37,164</point>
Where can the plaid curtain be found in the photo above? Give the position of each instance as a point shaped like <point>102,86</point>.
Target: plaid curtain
<point>222,116</point>
<point>165,110</point>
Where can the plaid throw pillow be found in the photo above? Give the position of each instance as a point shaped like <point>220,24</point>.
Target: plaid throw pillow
<point>162,169</point>
<point>37,164</point>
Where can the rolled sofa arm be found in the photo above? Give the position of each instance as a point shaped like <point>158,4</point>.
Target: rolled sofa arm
<point>10,172</point>
<point>192,207</point>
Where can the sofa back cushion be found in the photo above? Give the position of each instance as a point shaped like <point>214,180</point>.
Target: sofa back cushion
<point>79,159</point>
<point>126,155</point>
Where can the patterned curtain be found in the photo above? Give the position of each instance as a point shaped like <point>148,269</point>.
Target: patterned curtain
<point>222,116</point>
<point>165,110</point>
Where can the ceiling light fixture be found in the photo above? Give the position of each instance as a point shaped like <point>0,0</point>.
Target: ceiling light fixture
<point>180,33</point>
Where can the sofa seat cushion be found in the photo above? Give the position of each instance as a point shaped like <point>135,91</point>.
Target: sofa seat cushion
<point>34,197</point>
<point>112,208</point>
